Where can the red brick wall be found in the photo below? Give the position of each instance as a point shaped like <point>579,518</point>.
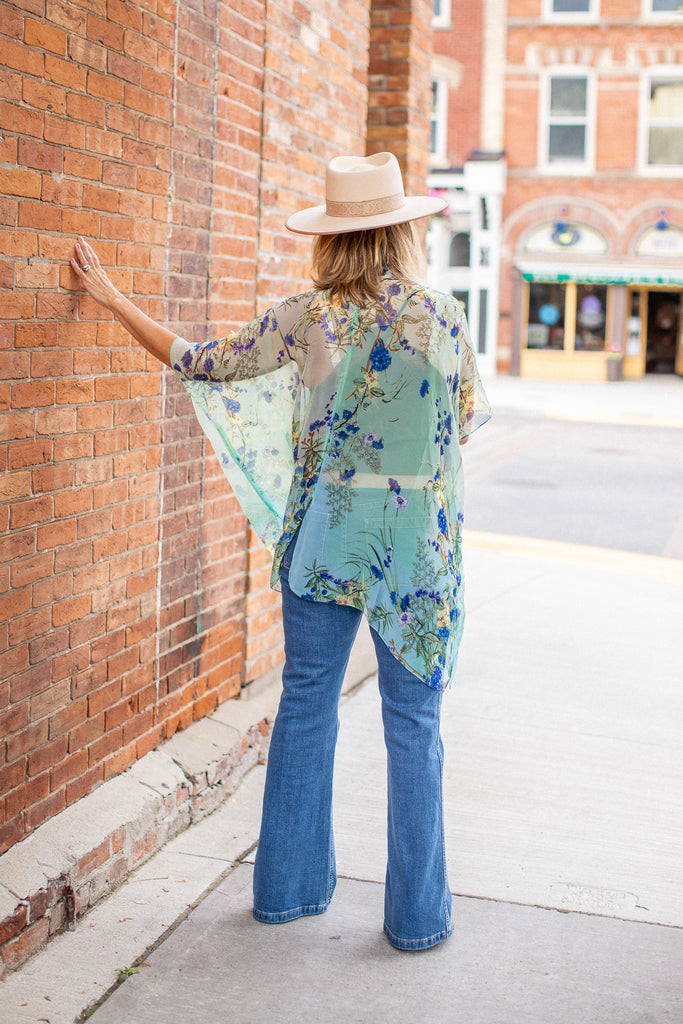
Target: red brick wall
<point>123,564</point>
<point>462,43</point>
<point>399,85</point>
<point>176,136</point>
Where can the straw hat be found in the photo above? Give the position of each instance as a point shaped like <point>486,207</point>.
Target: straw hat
<point>362,192</point>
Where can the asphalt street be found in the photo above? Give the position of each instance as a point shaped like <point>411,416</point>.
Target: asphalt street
<point>609,485</point>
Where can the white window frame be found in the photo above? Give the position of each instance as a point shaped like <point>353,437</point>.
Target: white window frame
<point>646,169</point>
<point>675,17</point>
<point>443,20</point>
<point>569,17</point>
<point>566,167</point>
<point>439,158</point>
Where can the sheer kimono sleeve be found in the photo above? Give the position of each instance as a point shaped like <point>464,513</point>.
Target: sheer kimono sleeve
<point>243,389</point>
<point>473,406</point>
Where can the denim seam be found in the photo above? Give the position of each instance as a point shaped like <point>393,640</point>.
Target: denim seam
<point>447,916</point>
<point>332,881</point>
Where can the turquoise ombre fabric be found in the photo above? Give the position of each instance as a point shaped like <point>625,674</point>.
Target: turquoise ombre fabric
<point>342,424</point>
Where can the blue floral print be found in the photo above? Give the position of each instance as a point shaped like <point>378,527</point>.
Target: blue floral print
<point>380,358</point>
<point>342,424</point>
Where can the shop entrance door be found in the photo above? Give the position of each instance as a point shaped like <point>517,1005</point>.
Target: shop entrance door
<point>663,337</point>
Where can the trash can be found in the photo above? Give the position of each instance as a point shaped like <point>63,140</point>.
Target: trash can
<point>615,366</point>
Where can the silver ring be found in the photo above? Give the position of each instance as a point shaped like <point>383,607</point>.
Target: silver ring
<point>85,268</point>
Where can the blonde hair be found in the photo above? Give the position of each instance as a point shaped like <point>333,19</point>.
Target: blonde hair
<point>350,266</point>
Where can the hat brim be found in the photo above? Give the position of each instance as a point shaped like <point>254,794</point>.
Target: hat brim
<point>315,221</point>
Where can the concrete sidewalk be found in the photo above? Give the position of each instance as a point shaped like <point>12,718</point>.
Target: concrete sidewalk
<point>652,401</point>
<point>563,793</point>
<point>503,964</point>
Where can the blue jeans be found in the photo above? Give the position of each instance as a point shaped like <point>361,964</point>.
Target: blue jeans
<point>294,873</point>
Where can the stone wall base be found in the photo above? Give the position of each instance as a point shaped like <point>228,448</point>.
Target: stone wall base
<point>52,877</point>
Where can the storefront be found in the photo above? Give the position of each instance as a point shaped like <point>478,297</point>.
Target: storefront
<point>597,324</point>
<point>582,313</point>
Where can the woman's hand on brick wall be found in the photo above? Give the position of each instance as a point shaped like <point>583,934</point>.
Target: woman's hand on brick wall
<point>151,335</point>
<point>91,276</point>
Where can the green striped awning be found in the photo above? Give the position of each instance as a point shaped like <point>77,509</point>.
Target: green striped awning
<point>554,273</point>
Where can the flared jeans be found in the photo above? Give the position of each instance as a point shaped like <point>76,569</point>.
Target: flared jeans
<point>295,872</point>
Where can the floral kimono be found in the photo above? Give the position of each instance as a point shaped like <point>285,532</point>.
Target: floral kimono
<point>340,424</point>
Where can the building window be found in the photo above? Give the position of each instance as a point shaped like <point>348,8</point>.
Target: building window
<point>664,117</point>
<point>571,10</point>
<point>483,312</point>
<point>567,119</point>
<point>439,121</point>
<point>442,14</point>
<point>569,317</point>
<point>459,252</point>
<point>545,327</point>
<point>567,136</point>
<point>591,317</point>
<point>663,7</point>
<point>462,297</point>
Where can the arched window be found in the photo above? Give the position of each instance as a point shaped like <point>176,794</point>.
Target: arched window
<point>459,255</point>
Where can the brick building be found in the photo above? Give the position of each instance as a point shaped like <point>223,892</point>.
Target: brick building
<point>591,238</point>
<point>177,137</point>
<point>593,231</point>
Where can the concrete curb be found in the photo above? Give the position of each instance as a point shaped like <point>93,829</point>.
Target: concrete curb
<point>85,852</point>
<point>88,850</point>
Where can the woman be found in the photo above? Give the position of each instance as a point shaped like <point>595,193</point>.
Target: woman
<point>337,416</point>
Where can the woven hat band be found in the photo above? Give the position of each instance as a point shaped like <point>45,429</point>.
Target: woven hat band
<point>365,207</point>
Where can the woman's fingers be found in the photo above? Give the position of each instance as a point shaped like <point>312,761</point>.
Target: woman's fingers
<point>81,260</point>
<point>90,254</point>
<point>91,276</point>
<point>76,265</point>
<point>86,254</point>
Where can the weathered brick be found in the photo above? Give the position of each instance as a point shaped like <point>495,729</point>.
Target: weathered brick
<point>42,34</point>
<point>68,770</point>
<point>19,182</point>
<point>14,923</point>
<point>30,511</point>
<point>32,153</point>
<point>25,627</point>
<point>46,756</point>
<point>21,58</point>
<point>119,761</point>
<point>40,216</point>
<point>52,478</point>
<point>39,812</point>
<point>64,131</point>
<point>26,795</point>
<point>81,165</point>
<point>84,784</point>
<point>29,395</point>
<point>65,72</point>
<point>18,949</point>
<point>50,700</point>
<point>70,610</point>
<point>66,665</point>
<point>28,570</point>
<point>15,485</point>
<point>46,647</point>
<point>54,588</point>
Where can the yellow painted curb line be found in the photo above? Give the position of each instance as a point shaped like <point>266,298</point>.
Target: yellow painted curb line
<point>628,563</point>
